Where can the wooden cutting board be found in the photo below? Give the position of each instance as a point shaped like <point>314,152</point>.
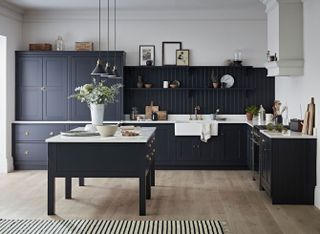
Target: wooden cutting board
<point>311,109</point>
<point>305,123</point>
<point>162,115</point>
<point>150,109</point>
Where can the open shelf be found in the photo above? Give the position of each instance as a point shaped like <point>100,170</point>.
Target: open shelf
<point>188,89</point>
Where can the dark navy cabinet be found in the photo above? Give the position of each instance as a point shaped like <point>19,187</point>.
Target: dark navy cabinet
<point>249,149</point>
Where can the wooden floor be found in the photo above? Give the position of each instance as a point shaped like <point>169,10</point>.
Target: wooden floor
<point>229,196</point>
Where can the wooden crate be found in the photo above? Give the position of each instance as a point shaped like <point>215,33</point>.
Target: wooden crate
<point>40,47</point>
<point>84,46</point>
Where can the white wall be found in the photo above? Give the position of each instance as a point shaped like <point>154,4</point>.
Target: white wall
<point>11,28</point>
<point>299,90</point>
<point>212,36</point>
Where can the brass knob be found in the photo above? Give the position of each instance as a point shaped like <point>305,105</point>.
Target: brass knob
<point>154,138</point>
<point>51,133</point>
<point>26,152</point>
<point>263,140</point>
<point>150,145</point>
<point>26,133</point>
<point>148,157</point>
<point>154,150</point>
<point>194,146</point>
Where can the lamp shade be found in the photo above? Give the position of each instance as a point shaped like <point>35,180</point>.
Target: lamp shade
<point>98,70</point>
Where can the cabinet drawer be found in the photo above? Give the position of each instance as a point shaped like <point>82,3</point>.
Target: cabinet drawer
<point>30,132</point>
<point>31,152</point>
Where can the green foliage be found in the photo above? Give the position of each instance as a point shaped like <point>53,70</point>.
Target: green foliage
<point>96,93</point>
<point>252,109</point>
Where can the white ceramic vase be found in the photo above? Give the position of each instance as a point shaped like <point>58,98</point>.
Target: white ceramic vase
<point>97,112</point>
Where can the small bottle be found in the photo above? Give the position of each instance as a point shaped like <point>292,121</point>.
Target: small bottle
<point>262,113</point>
<point>59,44</point>
<point>154,116</point>
<point>134,113</point>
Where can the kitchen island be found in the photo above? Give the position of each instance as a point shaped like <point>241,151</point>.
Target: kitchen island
<point>95,156</point>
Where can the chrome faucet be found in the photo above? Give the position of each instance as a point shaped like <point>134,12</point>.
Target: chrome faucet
<point>215,114</point>
<point>196,109</point>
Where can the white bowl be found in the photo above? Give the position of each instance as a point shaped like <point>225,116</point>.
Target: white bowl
<point>107,130</point>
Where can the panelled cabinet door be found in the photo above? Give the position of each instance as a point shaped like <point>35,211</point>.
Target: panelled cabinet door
<point>55,76</point>
<point>29,88</point>
<point>81,68</point>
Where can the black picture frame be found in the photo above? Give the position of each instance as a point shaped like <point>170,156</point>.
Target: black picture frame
<point>169,52</point>
<point>142,59</point>
<point>185,59</point>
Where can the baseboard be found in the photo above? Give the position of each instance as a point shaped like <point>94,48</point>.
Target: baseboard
<point>317,197</point>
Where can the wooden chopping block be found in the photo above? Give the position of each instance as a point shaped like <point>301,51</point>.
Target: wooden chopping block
<point>162,115</point>
<point>150,109</point>
<point>311,109</point>
<point>305,123</point>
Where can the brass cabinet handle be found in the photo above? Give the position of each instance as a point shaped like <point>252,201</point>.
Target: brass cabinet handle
<point>154,150</point>
<point>148,157</point>
<point>26,152</point>
<point>150,145</point>
<point>198,146</point>
<point>263,140</point>
<point>51,133</point>
<point>27,133</point>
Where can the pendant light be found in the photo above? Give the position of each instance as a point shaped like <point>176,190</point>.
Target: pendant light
<point>98,70</point>
<point>114,69</point>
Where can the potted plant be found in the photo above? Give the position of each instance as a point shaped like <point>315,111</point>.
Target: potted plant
<point>96,95</point>
<point>215,81</point>
<point>251,111</point>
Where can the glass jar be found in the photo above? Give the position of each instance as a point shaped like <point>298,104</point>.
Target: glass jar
<point>59,44</point>
<point>134,113</point>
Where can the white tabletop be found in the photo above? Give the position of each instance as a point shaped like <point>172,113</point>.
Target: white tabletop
<point>288,135</point>
<point>145,134</point>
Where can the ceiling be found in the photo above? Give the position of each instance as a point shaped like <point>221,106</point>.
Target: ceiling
<point>133,4</point>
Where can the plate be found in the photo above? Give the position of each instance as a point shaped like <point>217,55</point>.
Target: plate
<point>228,79</point>
<point>176,82</point>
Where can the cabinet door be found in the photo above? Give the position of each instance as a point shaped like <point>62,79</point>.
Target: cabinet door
<point>55,76</point>
<point>187,151</point>
<point>29,88</point>
<point>265,164</point>
<point>81,68</point>
<point>233,141</point>
<point>249,147</point>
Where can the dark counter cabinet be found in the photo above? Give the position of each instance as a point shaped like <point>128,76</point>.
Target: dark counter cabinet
<point>288,169</point>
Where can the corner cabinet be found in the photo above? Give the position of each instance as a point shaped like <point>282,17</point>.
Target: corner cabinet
<point>288,169</point>
<point>44,80</point>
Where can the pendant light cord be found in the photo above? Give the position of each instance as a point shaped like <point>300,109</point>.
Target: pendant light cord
<point>115,25</point>
<point>108,31</point>
<point>99,29</point>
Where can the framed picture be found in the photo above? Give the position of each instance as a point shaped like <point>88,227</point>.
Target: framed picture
<point>182,57</point>
<point>169,49</point>
<point>146,53</point>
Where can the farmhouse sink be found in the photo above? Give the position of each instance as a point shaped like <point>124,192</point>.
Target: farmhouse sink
<point>193,127</point>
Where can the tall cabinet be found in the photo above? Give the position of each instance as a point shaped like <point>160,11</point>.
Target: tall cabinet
<point>44,81</point>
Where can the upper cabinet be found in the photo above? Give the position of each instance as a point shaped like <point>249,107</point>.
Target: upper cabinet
<point>285,37</point>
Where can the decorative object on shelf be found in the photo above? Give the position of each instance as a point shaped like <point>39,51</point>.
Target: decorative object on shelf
<point>169,49</point>
<point>262,114</point>
<point>251,111</point>
<point>182,57</point>
<point>150,109</point>
<point>84,46</point>
<point>107,130</point>
<point>149,62</point>
<point>146,53</point>
<point>154,116</point>
<point>140,82</point>
<point>165,84</point>
<point>96,95</point>
<point>40,47</point>
<point>177,83</point>
<point>134,113</point>
<point>148,86</point>
<point>215,80</point>
<point>296,125</point>
<point>98,70</point>
<point>237,60</point>
<point>228,79</point>
<point>162,115</point>
<point>59,44</point>
<point>277,112</point>
<point>173,86</point>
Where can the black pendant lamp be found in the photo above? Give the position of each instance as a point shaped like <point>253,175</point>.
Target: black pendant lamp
<point>98,70</point>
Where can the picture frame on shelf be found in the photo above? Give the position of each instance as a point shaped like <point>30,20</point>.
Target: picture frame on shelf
<point>182,57</point>
<point>146,55</point>
<point>169,49</point>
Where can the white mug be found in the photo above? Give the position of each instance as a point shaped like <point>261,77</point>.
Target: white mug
<point>165,84</point>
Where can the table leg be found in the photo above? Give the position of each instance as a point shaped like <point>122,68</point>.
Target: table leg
<point>81,181</point>
<point>148,185</point>
<point>153,176</point>
<point>142,195</point>
<point>51,194</point>
<point>68,188</point>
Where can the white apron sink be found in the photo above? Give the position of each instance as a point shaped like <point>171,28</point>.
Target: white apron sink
<point>194,127</point>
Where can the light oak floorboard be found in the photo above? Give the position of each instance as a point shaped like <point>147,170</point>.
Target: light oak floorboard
<point>229,196</point>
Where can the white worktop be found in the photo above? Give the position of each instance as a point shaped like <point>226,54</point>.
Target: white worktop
<point>288,135</point>
<point>145,134</point>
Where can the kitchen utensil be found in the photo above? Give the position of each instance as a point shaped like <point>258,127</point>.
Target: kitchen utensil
<point>228,79</point>
<point>147,86</point>
<point>165,84</point>
<point>295,125</point>
<point>173,86</point>
<point>154,116</point>
<point>107,130</point>
<point>162,115</point>
<point>150,109</point>
<point>305,123</point>
<point>134,113</point>
<point>311,109</point>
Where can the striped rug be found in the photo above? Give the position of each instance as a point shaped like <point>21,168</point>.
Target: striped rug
<point>110,227</point>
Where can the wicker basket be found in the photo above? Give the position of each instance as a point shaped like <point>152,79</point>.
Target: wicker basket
<point>40,47</point>
<point>84,46</point>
